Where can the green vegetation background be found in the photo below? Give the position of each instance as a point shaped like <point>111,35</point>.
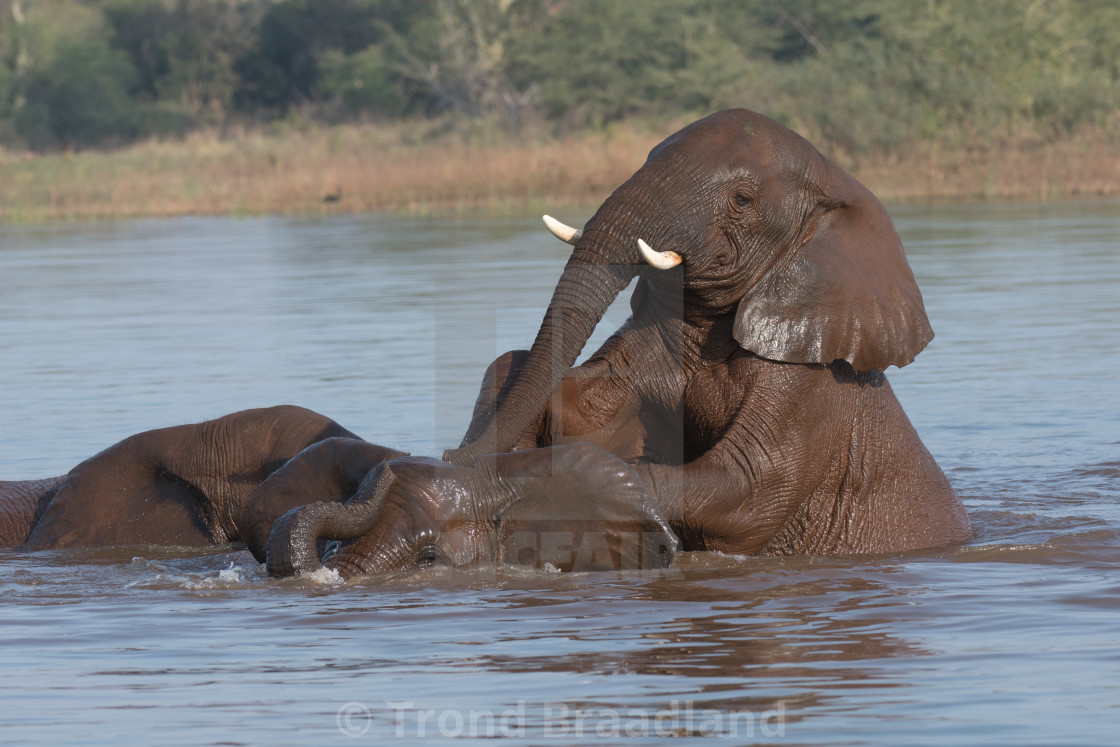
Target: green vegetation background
<point>859,76</point>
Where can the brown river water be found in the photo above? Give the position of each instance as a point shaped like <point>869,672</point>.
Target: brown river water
<point>386,324</point>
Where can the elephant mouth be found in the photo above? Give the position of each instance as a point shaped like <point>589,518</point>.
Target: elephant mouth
<point>589,546</point>
<point>343,558</point>
<point>297,540</point>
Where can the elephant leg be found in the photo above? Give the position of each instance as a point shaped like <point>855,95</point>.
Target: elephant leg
<point>22,503</point>
<point>593,403</point>
<point>496,383</point>
<point>595,406</point>
<point>326,471</point>
<point>807,467</point>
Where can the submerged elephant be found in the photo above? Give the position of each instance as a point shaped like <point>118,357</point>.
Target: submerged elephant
<point>184,486</point>
<point>238,478</point>
<point>747,386</point>
<point>571,508</point>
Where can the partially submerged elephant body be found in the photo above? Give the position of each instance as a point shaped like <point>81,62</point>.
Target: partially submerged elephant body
<point>180,486</point>
<point>572,508</point>
<point>747,387</point>
<point>244,478</point>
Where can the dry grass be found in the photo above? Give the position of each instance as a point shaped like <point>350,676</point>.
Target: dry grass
<point>402,168</point>
<point>1026,167</point>
<point>370,169</point>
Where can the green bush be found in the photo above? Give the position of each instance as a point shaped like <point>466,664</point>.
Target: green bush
<point>859,75</point>
<point>282,68</point>
<point>7,90</point>
<point>359,83</point>
<point>79,99</point>
<point>598,60</point>
<point>183,51</point>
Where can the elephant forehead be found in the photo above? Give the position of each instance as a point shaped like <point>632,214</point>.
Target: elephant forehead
<point>430,481</point>
<point>735,139</point>
<point>402,518</point>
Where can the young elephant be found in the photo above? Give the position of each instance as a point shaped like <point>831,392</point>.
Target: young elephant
<point>247,476</point>
<point>746,388</point>
<point>572,508</point>
<point>183,486</point>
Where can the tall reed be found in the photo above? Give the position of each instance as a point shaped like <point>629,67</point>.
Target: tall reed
<point>409,169</point>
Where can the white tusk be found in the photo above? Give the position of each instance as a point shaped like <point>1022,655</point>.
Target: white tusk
<point>567,234</point>
<point>660,260</point>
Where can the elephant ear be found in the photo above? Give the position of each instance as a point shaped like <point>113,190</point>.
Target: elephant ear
<point>585,510</point>
<point>846,292</point>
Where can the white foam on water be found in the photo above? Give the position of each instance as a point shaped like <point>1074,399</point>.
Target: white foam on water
<point>325,576</point>
<point>231,574</point>
<point>165,574</point>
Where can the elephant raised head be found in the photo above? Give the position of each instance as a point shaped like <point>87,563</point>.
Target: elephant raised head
<point>747,386</point>
<point>571,508</point>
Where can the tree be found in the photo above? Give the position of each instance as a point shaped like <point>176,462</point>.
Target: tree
<point>184,50</point>
<point>597,60</point>
<point>282,67</point>
<point>79,98</point>
<point>457,61</point>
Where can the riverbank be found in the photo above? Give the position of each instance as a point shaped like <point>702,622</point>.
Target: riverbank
<point>320,170</point>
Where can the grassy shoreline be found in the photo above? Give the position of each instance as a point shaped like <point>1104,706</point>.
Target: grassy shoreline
<point>403,169</point>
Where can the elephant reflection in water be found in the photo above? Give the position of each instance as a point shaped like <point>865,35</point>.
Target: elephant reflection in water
<point>741,408</point>
<point>797,630</point>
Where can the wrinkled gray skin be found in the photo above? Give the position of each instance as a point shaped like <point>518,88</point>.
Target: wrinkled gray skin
<point>181,486</point>
<point>330,470</point>
<point>746,388</point>
<point>572,508</point>
<point>238,477</point>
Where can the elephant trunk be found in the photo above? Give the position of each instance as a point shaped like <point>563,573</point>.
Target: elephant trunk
<point>293,544</point>
<point>599,268</point>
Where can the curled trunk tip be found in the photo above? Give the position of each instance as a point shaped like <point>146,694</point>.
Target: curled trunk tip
<point>293,543</point>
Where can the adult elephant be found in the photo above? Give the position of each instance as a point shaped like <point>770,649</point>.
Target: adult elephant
<point>747,386</point>
<point>182,486</point>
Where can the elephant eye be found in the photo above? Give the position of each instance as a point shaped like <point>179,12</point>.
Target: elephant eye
<point>428,555</point>
<point>742,200</point>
